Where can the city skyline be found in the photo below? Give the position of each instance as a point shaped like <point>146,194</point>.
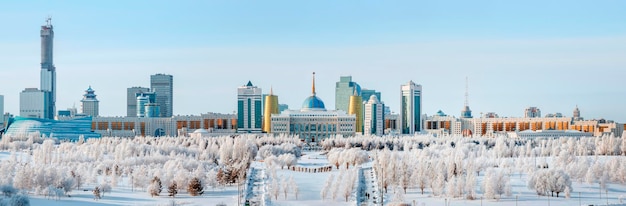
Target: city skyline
<point>552,55</point>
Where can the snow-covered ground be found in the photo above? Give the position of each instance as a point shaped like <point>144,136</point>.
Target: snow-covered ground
<point>311,183</point>
<point>124,195</point>
<point>310,186</point>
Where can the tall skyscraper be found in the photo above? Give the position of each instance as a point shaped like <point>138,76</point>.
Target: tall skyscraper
<point>33,103</point>
<point>162,84</point>
<point>271,107</point>
<point>249,109</point>
<point>356,108</point>
<point>411,108</point>
<point>48,77</point>
<point>89,103</point>
<point>374,117</point>
<point>131,100</point>
<point>345,88</point>
<point>367,93</point>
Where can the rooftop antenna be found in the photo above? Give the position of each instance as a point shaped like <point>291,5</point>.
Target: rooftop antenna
<point>313,88</point>
<point>466,91</point>
<point>49,21</point>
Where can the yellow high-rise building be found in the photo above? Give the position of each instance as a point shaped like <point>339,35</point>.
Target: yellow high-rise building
<point>271,107</point>
<point>356,107</point>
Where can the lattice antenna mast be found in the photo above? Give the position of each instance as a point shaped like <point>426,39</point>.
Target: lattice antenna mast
<point>466,92</point>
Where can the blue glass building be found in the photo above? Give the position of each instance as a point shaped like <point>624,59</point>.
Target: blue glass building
<point>67,130</point>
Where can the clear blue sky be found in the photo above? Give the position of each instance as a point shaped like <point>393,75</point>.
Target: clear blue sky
<point>550,54</point>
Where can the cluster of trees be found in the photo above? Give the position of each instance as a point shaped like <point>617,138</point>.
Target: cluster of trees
<point>347,157</point>
<point>44,166</point>
<point>550,181</point>
<point>344,184</point>
<point>281,184</point>
<point>10,196</point>
<point>449,167</point>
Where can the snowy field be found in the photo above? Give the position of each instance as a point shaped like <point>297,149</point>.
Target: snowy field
<point>347,171</point>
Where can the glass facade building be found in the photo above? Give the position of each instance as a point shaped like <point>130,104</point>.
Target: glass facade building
<point>131,100</point>
<point>68,130</point>
<point>162,85</point>
<point>249,109</point>
<point>345,88</point>
<point>411,108</point>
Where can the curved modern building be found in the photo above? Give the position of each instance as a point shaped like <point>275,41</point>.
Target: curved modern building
<point>313,122</point>
<point>356,108</point>
<point>68,130</point>
<point>271,107</point>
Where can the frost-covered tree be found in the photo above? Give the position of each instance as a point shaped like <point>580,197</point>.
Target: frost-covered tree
<point>172,189</point>
<point>96,193</point>
<point>288,159</point>
<point>275,188</point>
<point>550,181</point>
<point>8,190</point>
<point>155,187</point>
<point>327,186</point>
<point>285,186</point>
<point>294,187</point>
<point>19,200</point>
<point>195,187</point>
<point>104,188</point>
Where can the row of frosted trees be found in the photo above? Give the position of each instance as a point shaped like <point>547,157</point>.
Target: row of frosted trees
<point>450,167</point>
<point>52,168</point>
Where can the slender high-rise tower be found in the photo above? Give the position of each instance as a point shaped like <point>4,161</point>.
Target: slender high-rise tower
<point>48,71</point>
<point>248,109</point>
<point>411,108</point>
<point>162,84</point>
<point>271,107</point>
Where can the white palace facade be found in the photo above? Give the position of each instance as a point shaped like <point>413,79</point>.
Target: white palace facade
<point>313,122</point>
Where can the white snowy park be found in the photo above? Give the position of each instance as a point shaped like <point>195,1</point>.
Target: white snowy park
<point>268,170</point>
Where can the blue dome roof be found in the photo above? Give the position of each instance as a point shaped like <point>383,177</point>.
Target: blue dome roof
<point>313,103</point>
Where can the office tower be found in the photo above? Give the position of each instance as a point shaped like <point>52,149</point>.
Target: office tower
<point>162,85</point>
<point>411,108</point>
<point>345,88</point>
<point>271,107</point>
<point>367,93</point>
<point>146,105</point>
<point>131,100</point>
<point>1,111</point>
<point>466,112</point>
<point>89,103</point>
<point>532,112</point>
<point>356,108</point>
<point>48,71</point>
<point>374,117</point>
<point>248,108</point>
<point>33,103</point>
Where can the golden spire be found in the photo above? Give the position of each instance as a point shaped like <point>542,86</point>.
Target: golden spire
<point>313,88</point>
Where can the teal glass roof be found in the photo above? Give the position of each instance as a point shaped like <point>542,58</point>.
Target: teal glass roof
<point>67,130</point>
